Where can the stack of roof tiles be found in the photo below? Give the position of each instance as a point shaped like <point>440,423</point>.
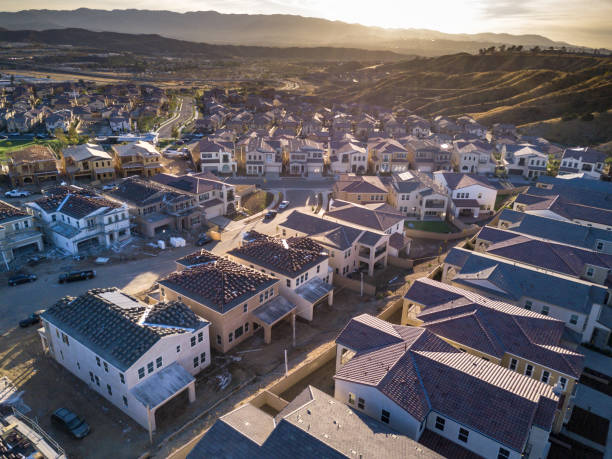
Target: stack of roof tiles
<point>290,256</point>
<point>201,257</point>
<point>221,284</point>
<point>73,201</point>
<point>7,211</point>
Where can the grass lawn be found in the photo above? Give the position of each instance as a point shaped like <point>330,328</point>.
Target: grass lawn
<point>7,146</point>
<point>500,199</point>
<point>432,226</point>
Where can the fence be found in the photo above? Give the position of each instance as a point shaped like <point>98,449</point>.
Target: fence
<point>33,425</point>
<point>399,262</point>
<point>412,233</point>
<point>355,285</point>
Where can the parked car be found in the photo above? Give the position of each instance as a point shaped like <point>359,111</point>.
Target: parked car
<point>77,276</point>
<point>270,215</point>
<point>21,279</point>
<point>32,319</point>
<point>203,240</point>
<point>70,422</point>
<point>283,205</point>
<point>17,193</point>
<point>109,187</point>
<point>33,261</point>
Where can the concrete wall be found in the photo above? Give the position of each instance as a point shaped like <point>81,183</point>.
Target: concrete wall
<point>355,285</point>
<point>411,233</point>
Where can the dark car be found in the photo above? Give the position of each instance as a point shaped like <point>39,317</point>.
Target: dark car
<point>203,240</point>
<point>70,422</point>
<point>32,319</point>
<point>270,215</point>
<point>77,276</point>
<point>21,279</point>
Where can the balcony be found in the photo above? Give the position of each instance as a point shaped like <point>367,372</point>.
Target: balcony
<point>435,204</point>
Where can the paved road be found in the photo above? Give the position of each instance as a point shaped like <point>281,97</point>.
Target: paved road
<point>186,112</point>
<point>282,183</point>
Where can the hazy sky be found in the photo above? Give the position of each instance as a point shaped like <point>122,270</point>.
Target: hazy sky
<point>582,22</point>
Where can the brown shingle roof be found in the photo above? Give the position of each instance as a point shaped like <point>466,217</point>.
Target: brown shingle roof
<point>8,211</point>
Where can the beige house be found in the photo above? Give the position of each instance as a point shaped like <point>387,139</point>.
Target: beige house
<point>34,164</point>
<point>364,189</point>
<point>18,233</point>
<point>87,161</point>
<point>137,158</point>
<point>235,299</point>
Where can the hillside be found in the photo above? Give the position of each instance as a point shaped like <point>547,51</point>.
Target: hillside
<point>264,30</point>
<point>511,87</point>
<point>157,45</point>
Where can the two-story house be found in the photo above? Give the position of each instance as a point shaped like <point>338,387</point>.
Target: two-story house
<point>299,262</point>
<point>34,164</point>
<point>87,161</point>
<point>18,233</point>
<point>474,157</point>
<point>412,380</point>
<point>364,189</point>
<point>525,160</point>
<point>417,196</point>
<point>262,158</point>
<point>214,156</point>
<point>305,157</point>
<point>136,356</point>
<point>347,157</point>
<point>137,158</point>
<point>469,194</point>
<point>387,156</point>
<point>585,160</point>
<point>75,219</point>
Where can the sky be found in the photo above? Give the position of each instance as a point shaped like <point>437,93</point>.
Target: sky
<point>583,22</point>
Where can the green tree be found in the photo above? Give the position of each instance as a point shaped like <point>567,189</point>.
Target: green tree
<point>175,131</point>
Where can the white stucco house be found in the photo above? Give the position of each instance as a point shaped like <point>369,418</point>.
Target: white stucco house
<point>469,194</point>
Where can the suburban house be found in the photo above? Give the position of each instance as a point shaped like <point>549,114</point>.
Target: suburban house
<point>586,237</point>
<point>155,208</point>
<point>418,127</point>
<point>87,161</point>
<point>412,380</point>
<point>137,158</point>
<point>351,248</point>
<point>299,262</point>
<point>34,164</point>
<point>262,158</point>
<point>526,160</point>
<point>387,155</point>
<point>515,338</point>
<point>475,157</point>
<point>582,305</point>
<point>472,127</point>
<point>360,189</point>
<point>305,157</point>
<point>417,196</point>
<point>347,156</point>
<point>469,194</point>
<point>381,217</point>
<point>235,299</point>
<point>214,156</point>
<point>585,160</point>
<point>302,429</point>
<point>18,233</point>
<point>425,155</point>
<point>136,356</point>
<point>61,119</point>
<point>75,219</point>
<point>214,196</point>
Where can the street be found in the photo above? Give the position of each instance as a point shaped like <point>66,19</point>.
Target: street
<point>186,112</point>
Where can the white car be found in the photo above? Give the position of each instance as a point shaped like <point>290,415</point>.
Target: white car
<point>283,205</point>
<point>17,193</point>
<point>109,187</point>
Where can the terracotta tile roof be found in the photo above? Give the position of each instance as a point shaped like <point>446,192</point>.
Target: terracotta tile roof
<point>421,372</point>
<point>73,201</point>
<point>286,256</point>
<point>10,212</point>
<point>200,257</point>
<point>220,285</point>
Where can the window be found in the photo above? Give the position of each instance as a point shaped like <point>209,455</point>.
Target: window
<point>261,297</point>
<point>563,382</point>
<point>528,370</point>
<point>150,367</point>
<point>503,453</point>
<point>238,332</point>
<point>97,381</point>
<point>463,434</point>
<point>351,398</point>
<point>574,319</point>
<point>599,245</point>
<point>91,376</point>
<point>218,339</point>
<point>245,308</point>
<point>178,348</point>
<point>121,378</point>
<point>158,362</point>
<point>231,337</point>
<point>141,373</point>
<point>125,402</point>
<point>545,376</point>
<point>288,282</point>
<point>318,268</point>
<point>98,361</point>
<point>528,305</point>
<point>545,310</point>
<point>589,272</point>
<point>193,341</point>
<point>361,403</point>
<point>271,292</point>
<point>108,388</point>
<point>513,363</point>
<point>200,337</point>
<point>203,357</point>
<point>384,416</point>
<point>246,327</point>
<point>440,423</point>
<point>106,367</point>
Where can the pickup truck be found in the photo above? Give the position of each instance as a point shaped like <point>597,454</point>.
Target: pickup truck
<point>73,276</point>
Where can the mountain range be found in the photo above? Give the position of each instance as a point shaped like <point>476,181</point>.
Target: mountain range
<point>276,30</point>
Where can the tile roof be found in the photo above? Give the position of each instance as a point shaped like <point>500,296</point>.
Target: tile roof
<point>286,256</point>
<point>220,285</point>
<point>376,219</point>
<point>421,372</point>
<point>73,201</point>
<point>191,183</point>
<point>9,212</point>
<point>313,425</point>
<point>328,233</point>
<point>456,180</point>
<point>493,327</point>
<point>114,325</point>
<point>197,258</point>
<point>140,192</point>
<point>359,184</point>
<point>513,281</point>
